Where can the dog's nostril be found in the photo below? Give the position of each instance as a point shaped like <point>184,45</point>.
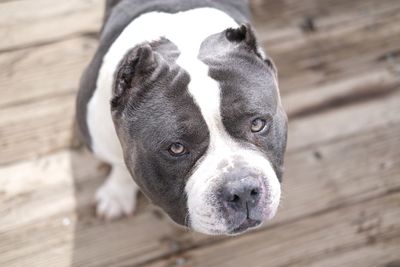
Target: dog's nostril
<point>235,199</point>
<point>241,195</point>
<point>254,192</point>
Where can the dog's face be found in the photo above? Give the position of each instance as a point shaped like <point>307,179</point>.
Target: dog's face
<point>204,139</point>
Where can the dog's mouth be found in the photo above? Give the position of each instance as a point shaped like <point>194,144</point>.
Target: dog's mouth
<point>245,225</point>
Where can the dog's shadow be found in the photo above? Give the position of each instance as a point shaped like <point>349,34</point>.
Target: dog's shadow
<point>124,242</point>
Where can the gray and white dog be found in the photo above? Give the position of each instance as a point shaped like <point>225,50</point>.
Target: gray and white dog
<point>180,98</point>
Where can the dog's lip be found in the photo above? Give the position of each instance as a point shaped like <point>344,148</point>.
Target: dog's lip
<point>246,224</point>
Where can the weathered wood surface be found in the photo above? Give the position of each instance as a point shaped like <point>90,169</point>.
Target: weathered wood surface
<point>26,23</point>
<point>43,193</point>
<point>310,241</point>
<point>340,82</point>
<point>350,42</point>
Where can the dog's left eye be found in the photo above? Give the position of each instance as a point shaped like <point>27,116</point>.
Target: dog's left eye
<point>177,149</point>
<point>258,125</point>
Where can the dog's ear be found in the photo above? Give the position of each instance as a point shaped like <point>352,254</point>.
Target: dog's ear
<point>245,36</point>
<point>138,63</point>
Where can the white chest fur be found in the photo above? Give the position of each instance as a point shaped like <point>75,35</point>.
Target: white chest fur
<point>185,29</point>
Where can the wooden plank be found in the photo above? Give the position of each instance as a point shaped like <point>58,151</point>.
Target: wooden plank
<point>33,74</point>
<point>274,14</point>
<point>380,254</point>
<point>30,23</point>
<point>338,173</point>
<point>369,225</point>
<point>321,57</point>
<point>36,128</point>
<point>47,214</point>
<point>60,64</point>
<point>50,200</point>
<point>358,88</point>
<point>40,183</point>
<point>37,107</point>
<point>339,123</point>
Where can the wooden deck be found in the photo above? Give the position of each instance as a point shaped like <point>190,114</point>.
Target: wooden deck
<point>339,67</point>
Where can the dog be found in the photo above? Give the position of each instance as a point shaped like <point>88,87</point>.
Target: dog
<point>184,104</point>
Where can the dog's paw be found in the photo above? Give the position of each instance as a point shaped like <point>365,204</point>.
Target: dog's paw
<point>114,200</point>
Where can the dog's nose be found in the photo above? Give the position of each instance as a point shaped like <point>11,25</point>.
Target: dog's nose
<point>241,195</point>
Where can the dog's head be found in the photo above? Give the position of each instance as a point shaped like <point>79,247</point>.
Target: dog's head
<point>204,137</point>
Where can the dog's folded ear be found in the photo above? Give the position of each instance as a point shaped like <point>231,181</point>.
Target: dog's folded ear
<point>137,68</point>
<point>138,62</point>
<point>245,36</point>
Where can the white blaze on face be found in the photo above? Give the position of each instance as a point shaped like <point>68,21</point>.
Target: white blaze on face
<point>204,214</point>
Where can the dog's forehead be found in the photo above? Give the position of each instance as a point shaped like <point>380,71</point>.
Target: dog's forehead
<point>246,83</point>
<point>225,81</point>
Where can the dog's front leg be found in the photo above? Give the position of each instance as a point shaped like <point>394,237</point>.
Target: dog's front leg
<point>117,196</point>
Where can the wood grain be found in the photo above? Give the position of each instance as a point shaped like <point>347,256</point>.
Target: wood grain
<point>36,128</point>
<point>339,74</point>
<point>311,241</point>
<point>335,53</point>
<point>329,68</point>
<point>26,23</point>
<point>39,73</point>
<point>42,194</point>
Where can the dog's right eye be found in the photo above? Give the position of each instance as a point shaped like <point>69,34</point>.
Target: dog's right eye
<point>177,149</point>
<point>258,125</point>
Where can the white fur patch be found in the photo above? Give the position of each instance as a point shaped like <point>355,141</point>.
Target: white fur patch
<point>117,196</point>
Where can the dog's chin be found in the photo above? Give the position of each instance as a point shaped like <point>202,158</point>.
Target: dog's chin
<point>246,225</point>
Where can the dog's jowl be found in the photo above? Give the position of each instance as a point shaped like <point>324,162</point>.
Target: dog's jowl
<point>185,106</point>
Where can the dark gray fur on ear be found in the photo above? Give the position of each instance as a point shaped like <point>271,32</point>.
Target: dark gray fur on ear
<point>139,61</point>
<point>246,36</point>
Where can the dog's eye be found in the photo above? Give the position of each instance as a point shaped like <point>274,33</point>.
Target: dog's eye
<point>258,125</point>
<point>177,149</point>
